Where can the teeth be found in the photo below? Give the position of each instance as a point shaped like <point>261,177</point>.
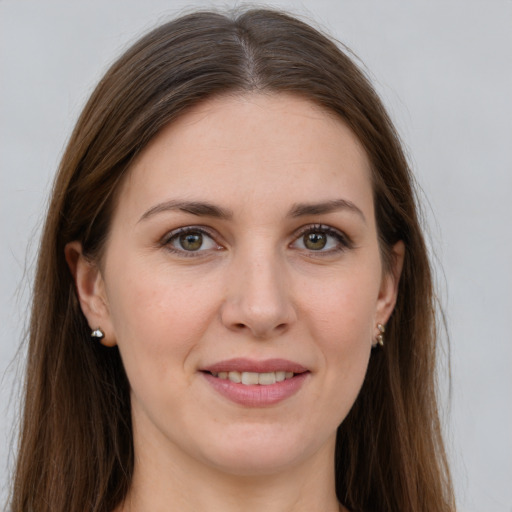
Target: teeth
<point>235,377</point>
<point>267,378</point>
<point>249,378</point>
<point>253,378</point>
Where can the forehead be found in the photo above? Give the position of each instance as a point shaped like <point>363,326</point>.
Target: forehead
<point>276,148</point>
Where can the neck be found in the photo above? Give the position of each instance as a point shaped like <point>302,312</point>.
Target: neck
<point>174,481</point>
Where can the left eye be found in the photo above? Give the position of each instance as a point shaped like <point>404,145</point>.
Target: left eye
<point>190,240</point>
<point>321,239</point>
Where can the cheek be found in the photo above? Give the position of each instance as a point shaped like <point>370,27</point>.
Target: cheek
<point>341,318</point>
<point>157,318</point>
<point>343,309</point>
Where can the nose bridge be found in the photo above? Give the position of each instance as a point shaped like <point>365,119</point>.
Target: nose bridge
<point>258,295</point>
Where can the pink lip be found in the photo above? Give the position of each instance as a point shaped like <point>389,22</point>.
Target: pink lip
<point>250,365</point>
<point>256,395</point>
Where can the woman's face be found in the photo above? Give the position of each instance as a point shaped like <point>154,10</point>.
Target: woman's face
<point>243,247</point>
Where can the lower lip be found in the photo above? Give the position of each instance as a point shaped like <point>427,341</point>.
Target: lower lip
<point>257,395</point>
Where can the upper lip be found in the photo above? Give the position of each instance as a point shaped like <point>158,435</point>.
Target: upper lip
<point>251,365</point>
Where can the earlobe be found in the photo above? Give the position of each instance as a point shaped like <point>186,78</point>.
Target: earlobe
<point>90,289</point>
<point>389,285</point>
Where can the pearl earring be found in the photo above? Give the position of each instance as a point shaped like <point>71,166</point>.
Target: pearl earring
<point>97,333</point>
<point>380,336</point>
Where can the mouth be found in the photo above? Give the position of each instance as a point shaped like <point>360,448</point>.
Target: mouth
<point>254,378</point>
<point>256,383</point>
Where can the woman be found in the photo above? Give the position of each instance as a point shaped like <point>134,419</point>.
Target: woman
<point>232,230</point>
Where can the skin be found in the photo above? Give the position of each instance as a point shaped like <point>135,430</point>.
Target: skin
<point>256,289</point>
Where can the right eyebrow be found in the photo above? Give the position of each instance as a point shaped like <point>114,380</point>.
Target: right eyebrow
<point>199,208</point>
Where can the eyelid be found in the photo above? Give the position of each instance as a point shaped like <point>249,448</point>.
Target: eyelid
<point>165,241</point>
<point>344,241</point>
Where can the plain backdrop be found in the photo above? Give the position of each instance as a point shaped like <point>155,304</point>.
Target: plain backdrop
<point>444,71</point>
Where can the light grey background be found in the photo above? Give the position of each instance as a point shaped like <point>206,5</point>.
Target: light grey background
<point>444,71</point>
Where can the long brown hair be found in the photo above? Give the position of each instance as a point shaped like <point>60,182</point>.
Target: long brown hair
<point>76,450</point>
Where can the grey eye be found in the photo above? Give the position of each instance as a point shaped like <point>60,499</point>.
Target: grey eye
<point>190,241</point>
<point>314,241</point>
<point>322,239</point>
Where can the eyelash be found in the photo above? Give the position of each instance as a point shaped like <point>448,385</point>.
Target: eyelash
<point>175,234</point>
<point>343,242</point>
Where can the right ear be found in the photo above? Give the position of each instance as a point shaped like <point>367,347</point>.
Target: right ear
<point>90,288</point>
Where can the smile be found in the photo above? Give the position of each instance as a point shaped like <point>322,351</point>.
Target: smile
<point>253,383</point>
<point>253,378</point>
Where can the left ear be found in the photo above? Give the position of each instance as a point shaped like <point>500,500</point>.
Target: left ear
<point>389,285</point>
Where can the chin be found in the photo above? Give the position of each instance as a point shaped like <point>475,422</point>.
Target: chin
<point>263,450</point>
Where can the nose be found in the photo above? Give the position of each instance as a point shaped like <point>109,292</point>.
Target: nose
<point>258,297</point>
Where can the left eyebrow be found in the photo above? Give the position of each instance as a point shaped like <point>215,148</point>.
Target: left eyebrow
<point>303,209</point>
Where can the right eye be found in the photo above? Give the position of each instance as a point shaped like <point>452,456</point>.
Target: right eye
<point>190,240</point>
